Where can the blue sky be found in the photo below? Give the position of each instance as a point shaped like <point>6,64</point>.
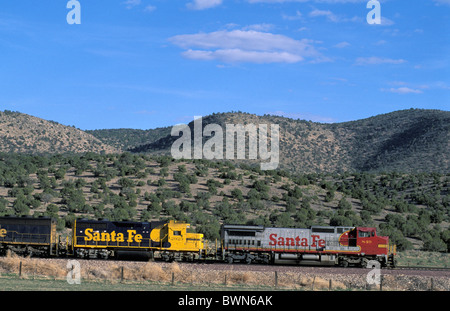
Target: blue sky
<point>151,63</point>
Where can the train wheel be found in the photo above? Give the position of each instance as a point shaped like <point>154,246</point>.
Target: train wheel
<point>229,260</point>
<point>344,263</point>
<point>365,263</point>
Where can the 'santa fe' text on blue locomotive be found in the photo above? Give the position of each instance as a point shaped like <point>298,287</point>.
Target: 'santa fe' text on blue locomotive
<point>111,237</point>
<point>2,232</point>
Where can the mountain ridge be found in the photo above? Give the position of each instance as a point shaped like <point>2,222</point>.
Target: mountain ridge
<point>405,140</point>
<point>413,140</point>
<point>23,133</point>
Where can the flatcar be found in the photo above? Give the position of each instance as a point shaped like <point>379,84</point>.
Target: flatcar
<point>29,236</point>
<point>315,246</point>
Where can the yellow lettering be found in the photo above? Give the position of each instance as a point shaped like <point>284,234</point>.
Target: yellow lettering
<point>130,235</point>
<point>120,237</point>
<point>97,236</point>
<point>138,238</point>
<point>2,233</point>
<point>88,233</point>
<point>105,237</point>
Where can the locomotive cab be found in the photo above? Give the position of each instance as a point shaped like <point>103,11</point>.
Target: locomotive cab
<point>173,236</point>
<point>361,236</point>
<point>370,243</point>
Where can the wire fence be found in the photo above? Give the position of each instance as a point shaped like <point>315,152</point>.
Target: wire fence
<point>190,276</point>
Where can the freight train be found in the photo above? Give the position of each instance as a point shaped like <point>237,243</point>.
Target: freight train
<point>171,240</point>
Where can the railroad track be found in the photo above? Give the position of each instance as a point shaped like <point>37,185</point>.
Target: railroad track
<point>421,268</point>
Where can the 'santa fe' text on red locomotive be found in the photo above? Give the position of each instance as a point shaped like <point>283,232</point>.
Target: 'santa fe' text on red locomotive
<point>297,241</point>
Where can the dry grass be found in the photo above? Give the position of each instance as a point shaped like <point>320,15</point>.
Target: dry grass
<point>159,273</point>
<point>11,264</point>
<point>198,276</point>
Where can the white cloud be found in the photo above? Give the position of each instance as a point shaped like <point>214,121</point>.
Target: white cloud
<point>378,61</point>
<point>132,3</point>
<point>342,45</point>
<point>403,90</point>
<point>438,2</point>
<point>203,4</point>
<point>328,14</point>
<point>401,87</point>
<point>246,46</point>
<point>238,56</point>
<point>380,42</point>
<point>386,21</point>
<point>150,8</point>
<point>259,27</point>
<point>317,1</point>
<point>297,16</point>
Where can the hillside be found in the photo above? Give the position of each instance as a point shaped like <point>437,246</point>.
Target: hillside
<point>414,140</point>
<point>390,171</point>
<point>127,139</point>
<point>413,209</point>
<point>20,132</point>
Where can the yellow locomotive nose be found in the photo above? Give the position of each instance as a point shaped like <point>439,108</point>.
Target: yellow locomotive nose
<point>157,234</point>
<point>173,236</point>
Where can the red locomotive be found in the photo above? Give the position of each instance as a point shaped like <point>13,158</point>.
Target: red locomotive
<point>318,245</point>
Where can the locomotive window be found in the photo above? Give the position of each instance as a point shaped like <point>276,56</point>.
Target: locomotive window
<point>365,234</point>
<point>241,233</point>
<point>323,230</point>
<point>177,233</point>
